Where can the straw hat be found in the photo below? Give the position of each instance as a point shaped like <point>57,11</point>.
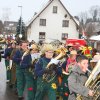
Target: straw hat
<point>33,46</point>
<point>73,52</point>
<point>96,58</point>
<point>47,47</point>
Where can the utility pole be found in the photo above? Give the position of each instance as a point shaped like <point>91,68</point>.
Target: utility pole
<point>20,35</point>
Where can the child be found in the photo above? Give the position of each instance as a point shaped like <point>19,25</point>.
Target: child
<point>77,79</point>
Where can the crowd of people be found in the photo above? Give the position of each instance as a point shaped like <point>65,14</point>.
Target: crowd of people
<point>49,73</point>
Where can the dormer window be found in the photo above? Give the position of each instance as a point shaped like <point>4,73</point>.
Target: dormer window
<point>54,9</point>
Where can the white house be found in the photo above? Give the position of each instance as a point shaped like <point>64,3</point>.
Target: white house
<point>52,22</point>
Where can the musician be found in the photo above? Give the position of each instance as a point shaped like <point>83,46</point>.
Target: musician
<point>28,66</point>
<point>12,66</point>
<point>70,48</point>
<point>71,60</point>
<point>17,58</point>
<point>7,54</point>
<point>43,87</point>
<point>77,79</point>
<point>67,67</point>
<point>94,60</point>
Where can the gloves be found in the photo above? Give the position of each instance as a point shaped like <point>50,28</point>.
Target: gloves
<point>54,61</point>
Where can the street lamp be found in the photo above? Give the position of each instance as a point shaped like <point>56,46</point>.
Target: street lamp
<point>20,35</point>
<point>21,10</point>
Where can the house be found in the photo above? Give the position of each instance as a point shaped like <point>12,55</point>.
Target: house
<point>1,27</point>
<point>93,32</point>
<point>9,28</point>
<point>52,22</point>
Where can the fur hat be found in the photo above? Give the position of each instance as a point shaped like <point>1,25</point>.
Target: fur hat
<point>96,58</point>
<point>47,47</point>
<point>73,52</point>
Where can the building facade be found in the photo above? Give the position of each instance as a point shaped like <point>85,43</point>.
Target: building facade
<point>9,29</point>
<point>52,22</point>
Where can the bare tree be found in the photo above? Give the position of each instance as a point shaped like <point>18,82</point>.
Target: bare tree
<point>90,27</point>
<point>83,16</point>
<point>95,12</point>
<point>87,22</point>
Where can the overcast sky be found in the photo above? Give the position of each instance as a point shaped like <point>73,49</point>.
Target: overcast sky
<point>31,6</point>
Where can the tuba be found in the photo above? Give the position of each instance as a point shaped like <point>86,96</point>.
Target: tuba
<point>48,77</point>
<point>93,83</point>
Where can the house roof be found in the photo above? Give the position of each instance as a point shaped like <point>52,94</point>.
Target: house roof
<point>10,23</point>
<point>49,2</point>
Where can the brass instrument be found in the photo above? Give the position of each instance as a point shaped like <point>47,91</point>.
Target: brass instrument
<point>35,58</point>
<point>2,40</point>
<point>48,77</point>
<point>25,53</point>
<point>93,83</point>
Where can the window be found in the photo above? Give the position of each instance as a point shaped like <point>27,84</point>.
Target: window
<point>64,36</point>
<point>65,23</point>
<point>42,22</point>
<point>42,35</point>
<point>54,9</point>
